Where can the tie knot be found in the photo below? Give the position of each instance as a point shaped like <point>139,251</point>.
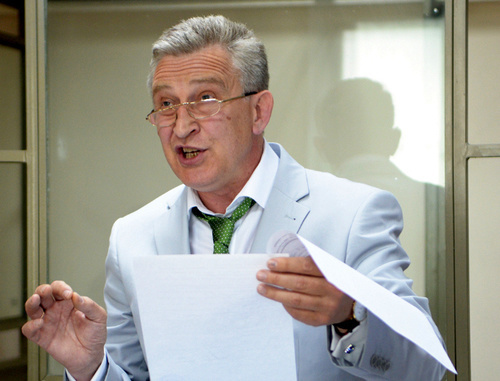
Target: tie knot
<point>242,209</point>
<point>223,227</point>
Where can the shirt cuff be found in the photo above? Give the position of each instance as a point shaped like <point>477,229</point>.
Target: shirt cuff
<point>347,350</point>
<point>100,373</point>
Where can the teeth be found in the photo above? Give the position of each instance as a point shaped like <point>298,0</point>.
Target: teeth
<point>189,153</point>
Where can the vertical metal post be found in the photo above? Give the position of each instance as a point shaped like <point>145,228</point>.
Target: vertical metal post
<point>35,149</point>
<point>458,332</point>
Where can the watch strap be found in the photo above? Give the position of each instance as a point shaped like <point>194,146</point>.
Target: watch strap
<point>348,324</point>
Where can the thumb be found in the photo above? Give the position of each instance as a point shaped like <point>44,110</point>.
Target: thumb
<point>90,309</point>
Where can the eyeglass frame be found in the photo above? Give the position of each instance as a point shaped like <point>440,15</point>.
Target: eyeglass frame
<point>212,100</point>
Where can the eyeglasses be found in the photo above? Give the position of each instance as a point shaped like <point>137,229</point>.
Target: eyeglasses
<point>205,108</point>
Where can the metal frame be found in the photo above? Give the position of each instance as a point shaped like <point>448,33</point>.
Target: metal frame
<point>16,156</point>
<point>454,102</point>
<point>458,152</point>
<point>35,160</point>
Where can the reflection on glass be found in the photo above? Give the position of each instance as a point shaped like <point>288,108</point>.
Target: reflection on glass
<point>358,139</point>
<point>380,120</point>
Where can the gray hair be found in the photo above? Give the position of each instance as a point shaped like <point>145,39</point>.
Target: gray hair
<point>189,36</point>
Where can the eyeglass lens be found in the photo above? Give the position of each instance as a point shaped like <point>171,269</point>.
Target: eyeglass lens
<point>198,110</point>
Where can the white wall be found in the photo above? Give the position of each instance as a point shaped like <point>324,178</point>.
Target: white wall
<point>484,186</point>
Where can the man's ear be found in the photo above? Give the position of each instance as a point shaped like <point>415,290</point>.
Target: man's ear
<point>263,107</point>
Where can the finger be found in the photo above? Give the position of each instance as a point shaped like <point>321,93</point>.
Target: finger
<point>90,309</point>
<point>298,265</point>
<point>31,330</point>
<point>309,317</point>
<point>301,283</point>
<point>310,309</point>
<point>48,294</point>
<point>61,290</point>
<point>33,308</point>
<point>290,299</point>
<point>44,292</point>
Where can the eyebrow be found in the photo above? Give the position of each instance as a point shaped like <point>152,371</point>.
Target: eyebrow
<point>209,80</point>
<point>159,88</point>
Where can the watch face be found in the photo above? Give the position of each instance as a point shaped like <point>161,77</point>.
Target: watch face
<point>359,312</point>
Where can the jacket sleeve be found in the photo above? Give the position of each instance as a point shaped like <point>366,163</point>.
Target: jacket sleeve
<point>373,248</point>
<point>124,352</point>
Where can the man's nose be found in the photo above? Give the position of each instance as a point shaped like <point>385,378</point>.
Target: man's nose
<point>185,124</point>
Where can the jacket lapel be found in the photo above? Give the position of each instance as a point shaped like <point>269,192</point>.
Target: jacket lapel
<point>283,211</point>
<point>171,231</point>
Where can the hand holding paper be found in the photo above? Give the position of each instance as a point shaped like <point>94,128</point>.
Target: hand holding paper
<point>307,296</point>
<point>205,300</point>
<point>401,316</point>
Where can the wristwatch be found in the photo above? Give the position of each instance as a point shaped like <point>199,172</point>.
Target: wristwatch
<point>358,312</point>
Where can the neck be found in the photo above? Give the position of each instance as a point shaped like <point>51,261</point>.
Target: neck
<point>217,203</point>
<point>218,200</point>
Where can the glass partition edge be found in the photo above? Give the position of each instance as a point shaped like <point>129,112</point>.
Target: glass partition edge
<point>35,124</point>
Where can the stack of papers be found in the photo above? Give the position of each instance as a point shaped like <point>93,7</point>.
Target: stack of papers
<point>202,319</point>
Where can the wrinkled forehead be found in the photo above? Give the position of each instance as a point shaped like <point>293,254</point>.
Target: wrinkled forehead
<point>210,65</point>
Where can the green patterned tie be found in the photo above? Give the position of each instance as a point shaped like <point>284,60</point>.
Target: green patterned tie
<point>223,227</point>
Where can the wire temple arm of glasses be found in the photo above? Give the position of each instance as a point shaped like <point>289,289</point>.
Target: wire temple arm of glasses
<point>225,100</point>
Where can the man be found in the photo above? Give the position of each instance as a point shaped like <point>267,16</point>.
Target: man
<point>209,83</point>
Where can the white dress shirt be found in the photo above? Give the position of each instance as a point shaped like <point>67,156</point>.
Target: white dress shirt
<point>258,187</point>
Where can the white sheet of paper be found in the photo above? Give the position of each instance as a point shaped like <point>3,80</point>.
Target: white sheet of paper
<point>202,319</point>
<point>401,316</point>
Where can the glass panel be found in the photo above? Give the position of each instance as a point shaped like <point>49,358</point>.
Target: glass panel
<point>12,270</point>
<point>358,92</point>
<point>483,73</point>
<point>12,230</point>
<point>9,20</point>
<point>11,95</point>
<point>484,262</point>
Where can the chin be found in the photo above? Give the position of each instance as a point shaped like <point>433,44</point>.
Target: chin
<point>200,185</point>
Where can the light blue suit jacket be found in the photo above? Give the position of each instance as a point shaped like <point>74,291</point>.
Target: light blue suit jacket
<point>356,223</point>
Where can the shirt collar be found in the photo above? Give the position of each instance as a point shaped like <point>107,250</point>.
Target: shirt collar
<point>258,187</point>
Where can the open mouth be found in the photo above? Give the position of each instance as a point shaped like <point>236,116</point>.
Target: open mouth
<point>190,153</point>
